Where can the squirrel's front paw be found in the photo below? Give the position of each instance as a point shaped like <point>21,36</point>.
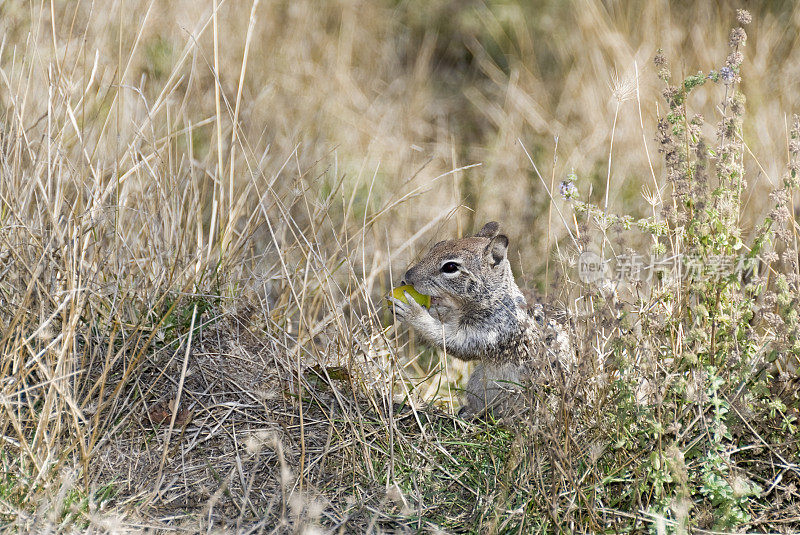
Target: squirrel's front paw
<point>409,311</point>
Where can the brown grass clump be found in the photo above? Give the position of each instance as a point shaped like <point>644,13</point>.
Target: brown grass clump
<point>203,204</point>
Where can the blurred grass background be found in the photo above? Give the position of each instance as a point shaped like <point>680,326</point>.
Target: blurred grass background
<point>390,95</point>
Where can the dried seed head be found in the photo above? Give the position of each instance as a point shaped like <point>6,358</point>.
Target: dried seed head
<point>670,92</point>
<point>778,196</point>
<point>737,37</point>
<point>623,89</point>
<point>735,59</point>
<point>743,16</point>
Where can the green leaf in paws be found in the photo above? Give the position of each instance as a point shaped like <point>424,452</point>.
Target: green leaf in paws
<point>422,299</point>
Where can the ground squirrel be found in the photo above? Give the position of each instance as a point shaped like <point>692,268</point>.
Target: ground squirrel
<point>478,312</point>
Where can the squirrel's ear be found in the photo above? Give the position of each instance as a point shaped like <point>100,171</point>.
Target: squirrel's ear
<point>489,230</point>
<point>496,250</point>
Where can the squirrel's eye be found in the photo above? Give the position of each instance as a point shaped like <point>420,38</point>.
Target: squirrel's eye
<point>449,267</point>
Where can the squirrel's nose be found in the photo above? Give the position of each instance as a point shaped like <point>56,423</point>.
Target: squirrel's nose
<point>407,276</point>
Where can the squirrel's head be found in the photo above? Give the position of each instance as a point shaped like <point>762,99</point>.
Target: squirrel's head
<point>467,275</point>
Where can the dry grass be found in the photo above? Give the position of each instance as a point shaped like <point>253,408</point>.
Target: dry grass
<point>201,205</point>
